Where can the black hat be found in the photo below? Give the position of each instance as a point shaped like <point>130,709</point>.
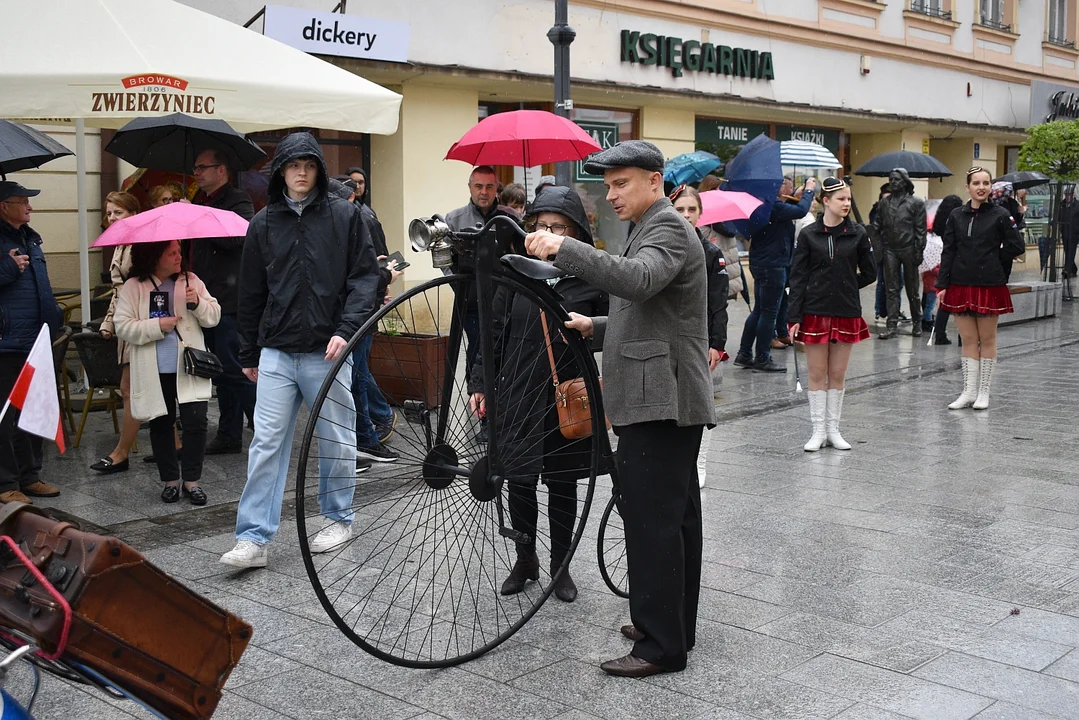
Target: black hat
<point>10,189</point>
<point>628,153</point>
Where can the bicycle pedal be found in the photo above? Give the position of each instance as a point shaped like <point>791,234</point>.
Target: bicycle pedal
<point>515,535</point>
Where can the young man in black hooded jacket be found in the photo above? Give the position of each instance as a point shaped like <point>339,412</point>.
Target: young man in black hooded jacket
<point>308,280</point>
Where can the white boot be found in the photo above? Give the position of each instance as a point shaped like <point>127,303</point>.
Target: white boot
<point>833,411</point>
<point>985,379</point>
<point>970,385</point>
<point>818,400</point>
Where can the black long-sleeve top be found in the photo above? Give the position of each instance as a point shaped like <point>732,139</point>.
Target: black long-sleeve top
<point>829,267</point>
<point>975,241</point>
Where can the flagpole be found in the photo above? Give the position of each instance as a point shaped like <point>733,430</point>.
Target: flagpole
<point>3,413</point>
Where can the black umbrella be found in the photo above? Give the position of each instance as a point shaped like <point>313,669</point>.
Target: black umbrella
<point>917,165</point>
<point>1024,179</point>
<point>172,143</point>
<point>22,148</point>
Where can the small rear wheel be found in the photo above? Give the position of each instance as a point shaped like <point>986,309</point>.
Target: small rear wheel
<point>611,549</point>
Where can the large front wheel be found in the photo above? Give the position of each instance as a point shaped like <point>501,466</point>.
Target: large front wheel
<point>436,531</point>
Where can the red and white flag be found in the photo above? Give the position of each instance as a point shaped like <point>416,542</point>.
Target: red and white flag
<point>35,392</point>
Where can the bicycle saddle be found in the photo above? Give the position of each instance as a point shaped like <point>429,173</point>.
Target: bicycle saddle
<point>532,268</point>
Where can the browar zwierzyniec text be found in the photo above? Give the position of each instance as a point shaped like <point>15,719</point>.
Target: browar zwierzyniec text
<point>679,55</point>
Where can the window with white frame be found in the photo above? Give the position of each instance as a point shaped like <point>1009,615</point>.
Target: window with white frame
<point>991,12</point>
<point>1058,21</point>
<point>933,8</point>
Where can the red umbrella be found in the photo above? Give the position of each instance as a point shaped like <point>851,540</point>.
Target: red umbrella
<point>175,221</point>
<point>525,138</point>
<point>722,205</point>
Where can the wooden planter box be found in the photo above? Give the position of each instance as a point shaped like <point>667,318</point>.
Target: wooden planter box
<point>409,367</point>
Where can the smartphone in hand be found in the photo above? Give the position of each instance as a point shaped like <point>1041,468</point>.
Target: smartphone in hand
<point>395,257</point>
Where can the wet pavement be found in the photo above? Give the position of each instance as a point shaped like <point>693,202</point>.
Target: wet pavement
<point>931,572</point>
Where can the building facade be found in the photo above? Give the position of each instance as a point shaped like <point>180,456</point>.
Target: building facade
<point>960,79</point>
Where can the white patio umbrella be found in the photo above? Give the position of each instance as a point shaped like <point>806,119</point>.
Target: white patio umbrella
<point>100,63</point>
<point>807,155</point>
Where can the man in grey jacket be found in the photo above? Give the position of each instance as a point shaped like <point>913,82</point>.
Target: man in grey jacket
<point>658,396</point>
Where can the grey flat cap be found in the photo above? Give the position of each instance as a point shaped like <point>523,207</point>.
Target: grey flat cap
<point>628,153</point>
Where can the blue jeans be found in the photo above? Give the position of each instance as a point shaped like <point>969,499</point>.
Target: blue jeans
<point>930,303</point>
<point>781,316</point>
<point>235,393</point>
<point>768,284</point>
<point>372,409</point>
<point>286,380</point>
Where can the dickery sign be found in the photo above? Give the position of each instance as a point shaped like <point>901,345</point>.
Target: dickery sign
<point>153,92</point>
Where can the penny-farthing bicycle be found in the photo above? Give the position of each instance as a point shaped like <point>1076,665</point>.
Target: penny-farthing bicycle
<point>418,584</point>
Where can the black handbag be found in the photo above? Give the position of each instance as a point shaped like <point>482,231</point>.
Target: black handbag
<point>200,363</point>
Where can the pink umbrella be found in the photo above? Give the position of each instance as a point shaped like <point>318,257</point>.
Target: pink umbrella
<point>525,138</point>
<point>175,221</point>
<point>723,205</point>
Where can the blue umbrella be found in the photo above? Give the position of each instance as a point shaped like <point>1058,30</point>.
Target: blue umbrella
<point>690,167</point>
<point>756,170</point>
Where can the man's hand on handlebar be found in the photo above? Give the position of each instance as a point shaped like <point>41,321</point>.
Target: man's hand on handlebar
<point>543,244</point>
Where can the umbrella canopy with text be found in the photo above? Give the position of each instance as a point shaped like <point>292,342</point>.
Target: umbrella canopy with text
<point>175,221</point>
<point>525,138</point>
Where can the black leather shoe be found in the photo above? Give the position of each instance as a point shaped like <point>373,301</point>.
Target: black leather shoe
<point>526,568</point>
<point>769,366</point>
<point>941,340</point>
<point>743,361</point>
<point>217,446</point>
<point>170,494</point>
<point>888,334</point>
<point>196,494</point>
<point>632,666</point>
<point>107,466</point>
<point>915,331</point>
<point>564,589</point>
<point>631,632</point>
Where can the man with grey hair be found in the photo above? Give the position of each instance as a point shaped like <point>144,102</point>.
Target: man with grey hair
<point>658,396</point>
<point>903,236</point>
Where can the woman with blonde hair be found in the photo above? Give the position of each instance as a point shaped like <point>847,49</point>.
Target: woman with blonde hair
<point>169,192</point>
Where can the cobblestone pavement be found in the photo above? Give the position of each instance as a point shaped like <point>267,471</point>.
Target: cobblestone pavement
<point>931,572</point>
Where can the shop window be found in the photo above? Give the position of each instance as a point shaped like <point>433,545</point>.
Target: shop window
<point>342,150</point>
<point>607,127</point>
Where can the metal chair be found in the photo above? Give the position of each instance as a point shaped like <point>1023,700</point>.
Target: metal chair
<point>59,362</point>
<point>102,367</point>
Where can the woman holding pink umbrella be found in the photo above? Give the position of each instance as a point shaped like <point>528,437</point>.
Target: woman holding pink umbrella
<point>159,311</point>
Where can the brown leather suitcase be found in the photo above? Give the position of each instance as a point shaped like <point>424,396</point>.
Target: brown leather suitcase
<point>136,626</point>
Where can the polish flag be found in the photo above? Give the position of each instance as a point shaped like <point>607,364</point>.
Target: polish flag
<point>35,393</point>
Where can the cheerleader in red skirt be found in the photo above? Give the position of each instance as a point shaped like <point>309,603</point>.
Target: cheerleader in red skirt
<point>971,285</point>
<point>833,260</point>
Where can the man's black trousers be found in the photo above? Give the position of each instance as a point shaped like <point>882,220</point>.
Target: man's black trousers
<point>21,454</point>
<point>661,511</point>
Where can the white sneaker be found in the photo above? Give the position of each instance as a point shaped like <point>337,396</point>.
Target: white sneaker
<point>246,554</point>
<point>331,537</point>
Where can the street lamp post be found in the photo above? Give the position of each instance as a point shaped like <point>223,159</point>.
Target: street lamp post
<point>561,35</point>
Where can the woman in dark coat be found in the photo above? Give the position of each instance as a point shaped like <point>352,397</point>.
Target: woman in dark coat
<point>972,284</point>
<point>833,260</point>
<point>529,433</point>
<point>940,221</point>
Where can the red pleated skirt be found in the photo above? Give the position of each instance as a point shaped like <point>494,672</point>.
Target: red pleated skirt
<point>820,329</point>
<point>993,300</point>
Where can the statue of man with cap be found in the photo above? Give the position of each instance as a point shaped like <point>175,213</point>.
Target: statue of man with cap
<point>658,396</point>
<point>903,228</point>
<point>26,303</point>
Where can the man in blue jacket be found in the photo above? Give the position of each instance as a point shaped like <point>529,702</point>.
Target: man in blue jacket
<point>26,302</point>
<point>770,251</point>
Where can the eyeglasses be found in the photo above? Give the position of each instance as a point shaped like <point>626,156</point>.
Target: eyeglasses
<point>557,228</point>
<point>203,168</point>
<point>167,199</point>
<point>24,201</point>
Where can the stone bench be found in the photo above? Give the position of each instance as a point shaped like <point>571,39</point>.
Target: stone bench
<point>1034,300</point>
